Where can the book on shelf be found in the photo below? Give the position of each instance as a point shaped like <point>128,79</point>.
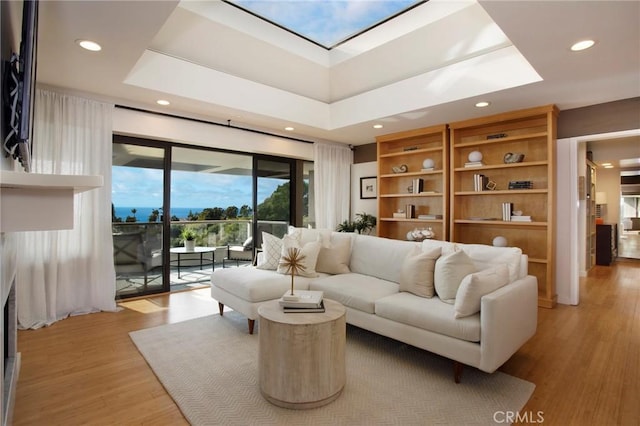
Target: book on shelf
<point>473,164</point>
<point>480,182</point>
<point>428,192</point>
<point>429,169</point>
<point>302,299</point>
<point>520,218</point>
<point>520,184</point>
<point>429,216</point>
<point>506,211</point>
<point>319,308</point>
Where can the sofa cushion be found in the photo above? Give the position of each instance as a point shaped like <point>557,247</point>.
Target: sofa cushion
<point>484,257</point>
<point>307,257</point>
<point>429,314</point>
<point>355,291</point>
<point>379,257</point>
<point>449,272</point>
<point>271,251</point>
<point>310,235</point>
<point>334,259</point>
<point>416,275</point>
<point>445,246</point>
<point>256,285</point>
<point>476,285</point>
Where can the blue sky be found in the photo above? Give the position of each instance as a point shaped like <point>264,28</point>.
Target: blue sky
<point>326,21</point>
<point>137,187</point>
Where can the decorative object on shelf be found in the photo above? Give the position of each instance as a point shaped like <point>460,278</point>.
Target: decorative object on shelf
<point>510,158</point>
<point>491,185</point>
<point>403,168</point>
<point>420,234</point>
<point>428,164</point>
<point>368,187</point>
<point>475,157</point>
<point>399,214</point>
<point>499,241</point>
<point>410,148</point>
<point>410,189</point>
<point>497,136</point>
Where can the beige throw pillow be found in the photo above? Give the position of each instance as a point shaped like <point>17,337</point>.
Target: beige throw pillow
<point>416,273</point>
<point>271,251</point>
<point>449,272</point>
<point>335,258</point>
<point>308,255</point>
<point>476,285</point>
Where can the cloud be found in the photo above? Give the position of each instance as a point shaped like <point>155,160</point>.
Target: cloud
<point>326,21</point>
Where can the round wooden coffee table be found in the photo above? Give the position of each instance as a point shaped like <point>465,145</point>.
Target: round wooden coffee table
<point>301,358</point>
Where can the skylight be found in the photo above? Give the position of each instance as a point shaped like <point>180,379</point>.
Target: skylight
<point>326,22</point>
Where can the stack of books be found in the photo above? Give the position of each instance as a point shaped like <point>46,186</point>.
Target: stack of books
<point>302,301</point>
<point>520,184</point>
<point>480,182</point>
<point>429,216</point>
<point>520,218</point>
<point>473,164</point>
<point>506,211</point>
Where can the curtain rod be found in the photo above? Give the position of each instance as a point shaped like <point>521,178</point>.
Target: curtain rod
<point>228,125</point>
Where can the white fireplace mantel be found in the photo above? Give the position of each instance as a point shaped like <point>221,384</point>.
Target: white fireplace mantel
<point>38,202</point>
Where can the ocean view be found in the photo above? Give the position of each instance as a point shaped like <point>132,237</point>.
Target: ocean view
<point>143,213</point>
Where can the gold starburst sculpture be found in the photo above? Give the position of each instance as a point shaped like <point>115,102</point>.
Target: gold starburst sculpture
<point>293,262</point>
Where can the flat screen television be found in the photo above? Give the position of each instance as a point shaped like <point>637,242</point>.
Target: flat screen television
<point>19,83</point>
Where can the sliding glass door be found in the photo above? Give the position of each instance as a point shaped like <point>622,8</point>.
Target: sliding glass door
<point>136,211</point>
<point>181,211</point>
<point>211,199</point>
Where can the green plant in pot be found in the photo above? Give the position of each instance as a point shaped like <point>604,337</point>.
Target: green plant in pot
<point>189,236</point>
<point>363,224</point>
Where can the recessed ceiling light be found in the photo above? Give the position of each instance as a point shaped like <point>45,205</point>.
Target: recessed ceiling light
<point>378,126</point>
<point>482,104</point>
<point>582,45</point>
<point>163,102</point>
<point>89,45</point>
<point>606,164</point>
<point>289,129</point>
<point>610,166</point>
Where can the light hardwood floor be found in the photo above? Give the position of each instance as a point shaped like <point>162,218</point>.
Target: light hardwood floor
<point>584,360</point>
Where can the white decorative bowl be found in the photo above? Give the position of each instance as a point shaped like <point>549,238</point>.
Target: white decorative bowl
<point>475,156</point>
<point>499,241</point>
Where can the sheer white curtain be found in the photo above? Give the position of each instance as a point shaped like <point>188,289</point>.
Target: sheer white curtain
<point>69,272</point>
<point>332,188</point>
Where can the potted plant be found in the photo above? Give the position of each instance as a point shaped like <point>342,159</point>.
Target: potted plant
<point>363,224</point>
<point>189,236</point>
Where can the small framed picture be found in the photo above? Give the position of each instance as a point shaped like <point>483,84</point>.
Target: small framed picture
<point>368,187</point>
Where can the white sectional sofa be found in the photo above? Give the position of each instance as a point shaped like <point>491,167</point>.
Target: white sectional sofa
<point>483,308</point>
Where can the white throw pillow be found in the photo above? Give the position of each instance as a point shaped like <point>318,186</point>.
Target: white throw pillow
<point>476,285</point>
<point>308,255</point>
<point>271,251</point>
<point>310,235</point>
<point>416,274</point>
<point>335,258</point>
<point>449,272</point>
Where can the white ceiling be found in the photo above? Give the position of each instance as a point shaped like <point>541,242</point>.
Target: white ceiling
<point>426,67</point>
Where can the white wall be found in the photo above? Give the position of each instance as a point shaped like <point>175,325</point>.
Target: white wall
<point>608,181</point>
<point>357,205</point>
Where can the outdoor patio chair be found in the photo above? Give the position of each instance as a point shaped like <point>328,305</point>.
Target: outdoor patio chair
<point>237,254</point>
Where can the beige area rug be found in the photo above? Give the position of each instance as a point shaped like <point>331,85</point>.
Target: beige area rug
<point>209,367</point>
